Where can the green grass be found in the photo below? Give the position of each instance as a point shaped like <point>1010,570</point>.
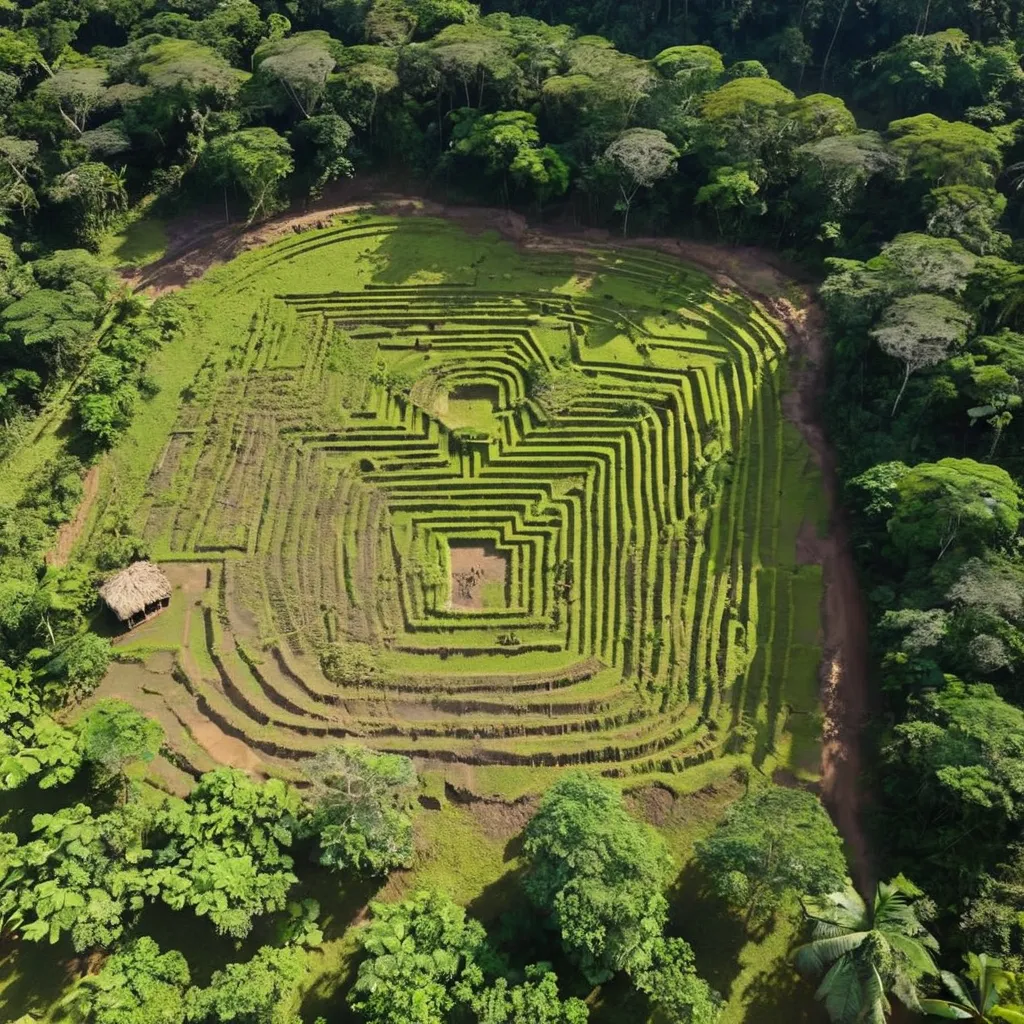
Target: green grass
<point>139,242</point>
<point>563,480</point>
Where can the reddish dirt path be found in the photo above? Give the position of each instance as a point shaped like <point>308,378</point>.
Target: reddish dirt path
<point>845,679</point>
<point>198,243</point>
<point>68,533</point>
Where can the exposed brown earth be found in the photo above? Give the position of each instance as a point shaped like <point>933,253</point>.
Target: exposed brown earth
<point>68,533</point>
<point>472,567</point>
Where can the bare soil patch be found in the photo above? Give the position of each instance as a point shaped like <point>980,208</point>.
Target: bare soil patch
<point>500,820</point>
<point>808,547</point>
<point>660,806</point>
<point>473,566</point>
<point>222,748</point>
<point>68,533</point>
<point>190,577</point>
<point>654,804</point>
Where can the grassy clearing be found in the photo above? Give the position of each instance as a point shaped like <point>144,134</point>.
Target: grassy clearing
<point>140,241</point>
<point>347,403</point>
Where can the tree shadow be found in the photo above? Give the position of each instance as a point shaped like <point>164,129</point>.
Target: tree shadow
<point>617,1002</point>
<point>195,938</point>
<point>343,905</point>
<point>715,932</point>
<point>465,252</point>
<point>781,996</point>
<point>343,899</point>
<point>503,895</point>
<point>408,252</point>
<point>33,976</point>
<point>19,806</point>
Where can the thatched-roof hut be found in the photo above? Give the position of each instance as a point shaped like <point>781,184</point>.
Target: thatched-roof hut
<point>136,593</point>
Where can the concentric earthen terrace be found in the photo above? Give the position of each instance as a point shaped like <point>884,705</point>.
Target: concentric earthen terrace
<point>482,506</point>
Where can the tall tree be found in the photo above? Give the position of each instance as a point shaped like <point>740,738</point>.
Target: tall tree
<point>951,778</point>
<point>942,152</point>
<point>773,841</point>
<point>75,93</point>
<point>640,157</point>
<point>672,984</point>
<point>256,991</point>
<point>360,809</point>
<point>136,985</point>
<point>115,735</point>
<point>972,504</point>
<point>599,873</point>
<point>94,193</point>
<point>920,330</point>
<point>225,849</point>
<point>535,1001</point>
<point>299,66</point>
<point>422,958</point>
<point>508,144</point>
<point>257,160</point>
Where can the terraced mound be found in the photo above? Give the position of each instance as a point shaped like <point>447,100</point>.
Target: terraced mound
<point>479,507</point>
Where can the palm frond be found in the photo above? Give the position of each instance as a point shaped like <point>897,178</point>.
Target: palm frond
<point>844,909</point>
<point>945,1009</point>
<point>1010,1014</point>
<point>840,991</point>
<point>814,956</point>
<point>913,952</point>
<point>876,1006</point>
<point>957,987</point>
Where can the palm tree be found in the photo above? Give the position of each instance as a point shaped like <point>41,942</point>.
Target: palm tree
<point>978,994</point>
<point>867,951</point>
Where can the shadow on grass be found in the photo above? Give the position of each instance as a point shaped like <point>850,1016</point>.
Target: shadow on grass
<point>617,1002</point>
<point>342,905</point>
<point>143,241</point>
<point>410,252</point>
<point>343,898</point>
<point>780,996</point>
<point>501,896</point>
<point>716,934</point>
<point>33,976</point>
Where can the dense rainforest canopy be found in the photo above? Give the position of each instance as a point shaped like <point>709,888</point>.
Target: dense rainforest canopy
<point>877,145</point>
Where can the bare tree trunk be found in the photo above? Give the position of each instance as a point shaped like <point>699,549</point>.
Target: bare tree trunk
<point>903,387</point>
<point>999,425</point>
<point>832,42</point>
<point>627,199</point>
<point>952,536</point>
<point>995,442</point>
<point>923,20</point>
<point>440,128</point>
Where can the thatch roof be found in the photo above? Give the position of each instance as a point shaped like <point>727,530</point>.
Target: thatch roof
<point>141,584</point>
